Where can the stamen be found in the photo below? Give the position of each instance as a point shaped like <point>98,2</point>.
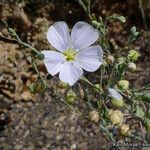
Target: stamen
<point>70,55</point>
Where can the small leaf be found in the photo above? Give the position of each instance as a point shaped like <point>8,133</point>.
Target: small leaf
<point>118,18</point>
<point>133,29</point>
<point>136,34</point>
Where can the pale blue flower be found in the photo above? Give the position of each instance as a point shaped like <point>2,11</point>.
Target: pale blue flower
<point>75,52</point>
<point>114,94</point>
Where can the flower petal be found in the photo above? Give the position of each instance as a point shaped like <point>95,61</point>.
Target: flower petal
<point>90,58</point>
<point>58,36</point>
<point>53,61</point>
<point>83,35</point>
<point>70,72</point>
<point>114,94</point>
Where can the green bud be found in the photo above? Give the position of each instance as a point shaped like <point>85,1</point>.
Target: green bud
<point>11,31</point>
<point>117,103</point>
<point>147,124</point>
<point>123,84</point>
<point>97,87</point>
<point>133,55</point>
<point>63,85</point>
<point>38,87</point>
<point>70,97</point>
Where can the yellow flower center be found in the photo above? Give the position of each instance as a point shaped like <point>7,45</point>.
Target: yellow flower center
<point>70,54</point>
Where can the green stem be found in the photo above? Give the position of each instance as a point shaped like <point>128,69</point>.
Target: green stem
<point>36,69</point>
<point>142,13</point>
<point>13,33</point>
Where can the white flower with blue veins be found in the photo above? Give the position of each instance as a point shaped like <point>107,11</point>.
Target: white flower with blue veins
<point>75,52</point>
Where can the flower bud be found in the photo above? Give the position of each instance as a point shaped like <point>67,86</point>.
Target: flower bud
<point>116,116</point>
<point>62,85</point>
<point>123,84</point>
<point>117,103</point>
<point>38,87</point>
<point>133,55</point>
<point>94,116</point>
<point>147,124</point>
<point>110,59</point>
<point>131,66</point>
<point>12,31</point>
<point>124,129</point>
<point>70,97</point>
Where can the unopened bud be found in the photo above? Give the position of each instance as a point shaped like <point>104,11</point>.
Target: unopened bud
<point>12,31</point>
<point>123,84</point>
<point>147,124</point>
<point>98,88</point>
<point>110,59</point>
<point>131,66</point>
<point>117,103</point>
<point>94,116</point>
<point>133,55</point>
<point>70,97</point>
<point>124,129</point>
<point>116,117</point>
<point>38,87</point>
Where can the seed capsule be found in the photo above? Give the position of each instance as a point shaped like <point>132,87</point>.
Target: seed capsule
<point>94,116</point>
<point>117,103</point>
<point>123,84</point>
<point>133,55</point>
<point>116,116</point>
<point>70,97</point>
<point>131,66</point>
<point>38,87</point>
<point>124,129</point>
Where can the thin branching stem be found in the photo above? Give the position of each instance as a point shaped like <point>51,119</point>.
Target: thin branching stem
<point>142,13</point>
